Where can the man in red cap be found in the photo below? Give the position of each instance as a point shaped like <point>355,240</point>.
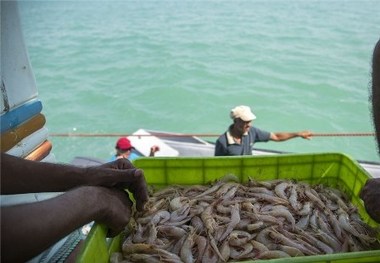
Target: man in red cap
<point>124,150</point>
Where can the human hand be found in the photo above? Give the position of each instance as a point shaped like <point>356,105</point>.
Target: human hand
<point>121,164</point>
<point>114,209</point>
<point>123,175</point>
<point>306,134</point>
<point>154,148</point>
<point>370,194</point>
<point>136,184</point>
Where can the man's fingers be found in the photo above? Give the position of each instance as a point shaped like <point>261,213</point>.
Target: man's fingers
<point>134,181</point>
<point>141,199</point>
<point>120,164</point>
<point>118,222</point>
<point>140,190</point>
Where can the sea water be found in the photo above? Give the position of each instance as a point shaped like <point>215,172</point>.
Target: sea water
<point>180,66</point>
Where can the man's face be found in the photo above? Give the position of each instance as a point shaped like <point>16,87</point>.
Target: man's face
<point>243,126</point>
<point>124,154</point>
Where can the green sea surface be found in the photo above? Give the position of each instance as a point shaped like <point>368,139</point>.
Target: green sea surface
<point>180,66</point>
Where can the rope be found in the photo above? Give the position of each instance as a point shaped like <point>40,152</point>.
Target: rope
<point>344,134</point>
<point>192,134</point>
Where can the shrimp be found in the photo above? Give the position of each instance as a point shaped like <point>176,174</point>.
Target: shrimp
<point>291,251</point>
<point>243,224</point>
<point>185,253</point>
<point>319,244</point>
<point>266,184</point>
<point>210,190</point>
<point>280,190</point>
<point>303,222</point>
<point>196,210</point>
<point>334,196</point>
<point>209,256</point>
<point>260,190</point>
<point>321,219</point>
<point>154,207</point>
<point>208,220</point>
<point>177,247</point>
<point>144,258</point>
<point>248,206</point>
<point>197,223</point>
<point>240,252</point>
<point>286,241</point>
<point>255,226</point>
<point>335,225</point>
<point>138,236</point>
<point>313,220</point>
<point>329,240</point>
<point>214,246</point>
<point>224,189</point>
<point>160,217</point>
<point>223,209</point>
<point>270,198</point>
<point>293,198</point>
<point>135,248</point>
<point>225,250</point>
<point>230,194</point>
<point>313,196</point>
<point>201,244</point>
<point>237,237</point>
<point>235,218</point>
<point>273,254</point>
<point>179,223</point>
<point>268,218</point>
<point>152,234</point>
<point>144,220</point>
<point>166,256</point>
<point>177,202</point>
<point>344,223</point>
<point>306,209</point>
<point>194,190</point>
<point>180,214</point>
<point>260,247</point>
<point>171,231</point>
<point>283,213</point>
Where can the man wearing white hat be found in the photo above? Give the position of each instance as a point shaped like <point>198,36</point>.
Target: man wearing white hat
<point>241,135</point>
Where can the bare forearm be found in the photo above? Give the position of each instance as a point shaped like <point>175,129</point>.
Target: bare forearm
<point>71,210</point>
<point>31,228</point>
<point>24,176</point>
<point>283,136</point>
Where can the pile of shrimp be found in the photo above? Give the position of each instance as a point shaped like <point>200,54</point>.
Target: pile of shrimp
<point>230,221</point>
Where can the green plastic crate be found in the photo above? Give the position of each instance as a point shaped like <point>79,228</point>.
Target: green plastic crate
<point>334,169</point>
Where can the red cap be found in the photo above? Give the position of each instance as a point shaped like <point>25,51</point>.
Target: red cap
<point>123,144</point>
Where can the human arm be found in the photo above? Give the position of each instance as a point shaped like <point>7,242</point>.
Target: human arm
<point>24,176</point>
<point>153,150</point>
<point>29,229</point>
<point>371,196</point>
<point>283,136</point>
<point>220,149</point>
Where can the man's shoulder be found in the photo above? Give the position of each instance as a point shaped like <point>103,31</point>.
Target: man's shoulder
<point>256,130</point>
<point>222,138</point>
